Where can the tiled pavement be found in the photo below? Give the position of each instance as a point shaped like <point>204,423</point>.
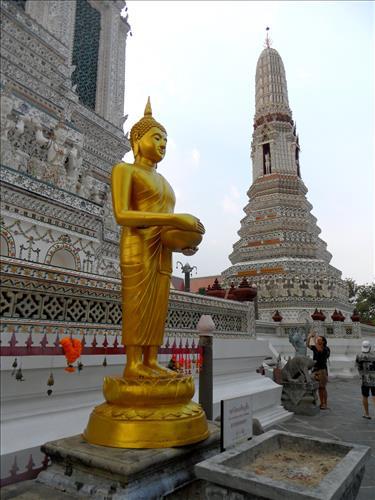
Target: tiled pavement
<point>343,421</point>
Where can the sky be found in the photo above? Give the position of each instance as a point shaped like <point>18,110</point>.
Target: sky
<point>197,62</point>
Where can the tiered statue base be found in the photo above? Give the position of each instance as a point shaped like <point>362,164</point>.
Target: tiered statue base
<point>147,413</point>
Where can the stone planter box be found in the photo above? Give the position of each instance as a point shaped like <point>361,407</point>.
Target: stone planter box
<point>228,474</point>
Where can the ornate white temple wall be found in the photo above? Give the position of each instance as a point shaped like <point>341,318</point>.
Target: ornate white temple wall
<point>62,130</point>
<point>42,303</point>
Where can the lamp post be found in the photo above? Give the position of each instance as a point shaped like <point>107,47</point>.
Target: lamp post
<point>187,270</point>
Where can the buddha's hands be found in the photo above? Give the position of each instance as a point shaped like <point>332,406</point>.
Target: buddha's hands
<point>188,222</point>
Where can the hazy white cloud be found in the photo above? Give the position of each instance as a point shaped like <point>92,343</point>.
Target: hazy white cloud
<point>231,202</point>
<point>195,156</point>
<point>234,192</point>
<point>172,145</point>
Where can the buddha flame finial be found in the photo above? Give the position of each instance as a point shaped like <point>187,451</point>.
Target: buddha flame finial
<point>148,110</point>
<point>268,41</point>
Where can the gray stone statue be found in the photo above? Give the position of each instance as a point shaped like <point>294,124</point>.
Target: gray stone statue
<point>297,339</point>
<point>299,388</point>
<point>297,370</point>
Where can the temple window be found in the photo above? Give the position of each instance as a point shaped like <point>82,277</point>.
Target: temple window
<point>266,159</point>
<point>86,52</point>
<point>297,161</point>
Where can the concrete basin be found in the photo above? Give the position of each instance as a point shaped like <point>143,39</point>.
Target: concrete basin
<point>324,470</point>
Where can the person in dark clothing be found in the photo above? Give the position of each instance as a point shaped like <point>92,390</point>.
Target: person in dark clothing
<point>321,353</point>
<point>365,363</point>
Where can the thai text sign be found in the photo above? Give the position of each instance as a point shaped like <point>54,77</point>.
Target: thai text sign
<point>236,421</point>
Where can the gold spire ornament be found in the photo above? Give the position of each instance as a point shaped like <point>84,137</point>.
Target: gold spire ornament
<point>149,406</point>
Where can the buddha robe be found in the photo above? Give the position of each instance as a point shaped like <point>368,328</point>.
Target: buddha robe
<point>146,264</point>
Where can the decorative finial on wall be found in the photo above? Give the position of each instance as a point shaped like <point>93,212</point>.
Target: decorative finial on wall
<point>268,41</point>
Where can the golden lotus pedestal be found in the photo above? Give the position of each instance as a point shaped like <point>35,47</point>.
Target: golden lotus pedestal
<point>147,413</point>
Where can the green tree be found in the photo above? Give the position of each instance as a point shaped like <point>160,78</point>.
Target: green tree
<point>365,302</point>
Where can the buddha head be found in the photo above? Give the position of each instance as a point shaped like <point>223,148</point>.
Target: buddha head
<point>148,138</point>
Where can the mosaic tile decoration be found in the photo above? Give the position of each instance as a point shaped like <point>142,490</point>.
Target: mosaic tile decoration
<point>20,3</point>
<point>85,52</point>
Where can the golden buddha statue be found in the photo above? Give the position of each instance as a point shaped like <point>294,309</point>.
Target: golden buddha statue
<point>150,406</point>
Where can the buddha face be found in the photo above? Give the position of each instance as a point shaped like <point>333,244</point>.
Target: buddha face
<point>152,145</point>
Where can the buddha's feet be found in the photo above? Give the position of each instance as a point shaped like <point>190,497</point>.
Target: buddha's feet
<point>140,370</point>
<point>161,370</point>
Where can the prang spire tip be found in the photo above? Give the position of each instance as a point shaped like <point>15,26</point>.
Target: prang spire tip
<point>268,41</point>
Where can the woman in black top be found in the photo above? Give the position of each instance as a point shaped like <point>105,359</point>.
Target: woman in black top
<point>321,354</point>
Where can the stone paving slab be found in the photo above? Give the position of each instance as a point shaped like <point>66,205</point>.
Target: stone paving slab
<point>31,490</point>
<point>342,421</point>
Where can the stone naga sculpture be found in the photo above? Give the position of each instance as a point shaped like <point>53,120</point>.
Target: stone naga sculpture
<point>297,370</point>
<point>299,389</point>
<point>297,339</point>
<point>149,406</point>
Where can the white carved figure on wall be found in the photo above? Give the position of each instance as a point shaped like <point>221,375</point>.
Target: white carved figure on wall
<point>282,287</point>
<point>7,124</point>
<point>305,286</point>
<point>342,291</point>
<point>267,163</point>
<point>84,183</point>
<point>325,293</point>
<point>21,158</point>
<point>310,290</point>
<point>260,287</point>
<point>73,168</point>
<point>288,287</point>
<point>36,167</point>
<point>318,288</point>
<point>57,152</point>
<point>265,289</point>
<point>272,286</point>
<point>21,141</point>
<point>20,126</point>
<point>297,290</point>
<point>7,104</point>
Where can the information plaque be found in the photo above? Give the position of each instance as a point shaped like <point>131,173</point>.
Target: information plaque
<point>236,421</point>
